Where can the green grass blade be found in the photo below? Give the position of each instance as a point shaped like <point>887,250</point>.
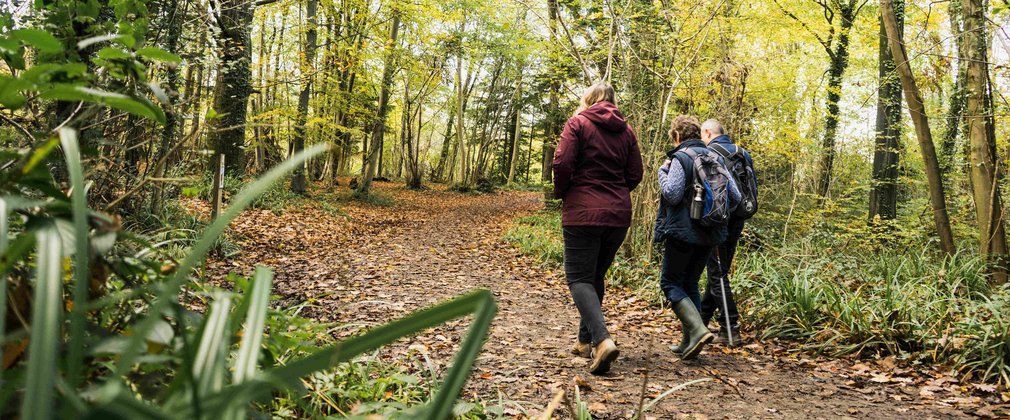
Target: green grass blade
<point>171,289</point>
<point>126,406</point>
<point>79,204</point>
<point>45,327</point>
<point>385,334</point>
<point>480,303</point>
<point>209,362</point>
<point>252,335</point>
<point>484,311</point>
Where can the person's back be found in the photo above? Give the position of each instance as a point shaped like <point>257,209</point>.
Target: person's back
<point>718,294</point>
<point>596,166</point>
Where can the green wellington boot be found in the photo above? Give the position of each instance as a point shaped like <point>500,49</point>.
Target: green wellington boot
<point>695,331</point>
<point>679,348</point>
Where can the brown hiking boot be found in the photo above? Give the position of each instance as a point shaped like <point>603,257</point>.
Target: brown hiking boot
<point>603,356</point>
<point>582,349</point>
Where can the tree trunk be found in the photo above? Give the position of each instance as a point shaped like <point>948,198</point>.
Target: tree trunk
<point>553,107</point>
<point>884,195</point>
<point>298,184</point>
<point>985,186</point>
<point>460,140</point>
<point>443,156</point>
<point>839,63</point>
<point>379,127</point>
<point>948,149</point>
<point>231,94</point>
<point>515,145</point>
<point>922,131</point>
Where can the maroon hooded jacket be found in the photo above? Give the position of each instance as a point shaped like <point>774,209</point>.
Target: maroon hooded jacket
<point>596,166</point>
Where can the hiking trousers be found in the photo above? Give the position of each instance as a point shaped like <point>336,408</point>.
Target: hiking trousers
<point>682,267</point>
<point>718,287</point>
<point>589,252</point>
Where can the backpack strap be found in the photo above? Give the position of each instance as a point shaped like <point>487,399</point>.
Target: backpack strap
<point>721,150</point>
<point>691,152</point>
<point>686,159</point>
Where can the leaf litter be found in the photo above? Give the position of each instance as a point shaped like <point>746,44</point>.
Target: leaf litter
<point>369,264</point>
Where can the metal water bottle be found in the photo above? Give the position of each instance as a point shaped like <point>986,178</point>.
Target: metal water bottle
<point>698,204</point>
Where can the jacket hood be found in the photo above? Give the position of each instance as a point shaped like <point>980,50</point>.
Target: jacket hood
<point>606,116</point>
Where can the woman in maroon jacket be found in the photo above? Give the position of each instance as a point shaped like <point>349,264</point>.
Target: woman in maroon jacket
<point>596,165</point>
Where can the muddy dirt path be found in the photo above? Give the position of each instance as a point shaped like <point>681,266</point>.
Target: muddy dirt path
<point>362,265</point>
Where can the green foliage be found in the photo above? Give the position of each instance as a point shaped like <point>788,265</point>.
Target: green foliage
<point>275,198</point>
<point>65,45</point>
<point>909,303</point>
<point>981,340</point>
<point>848,295</point>
<point>144,354</point>
<point>373,198</point>
<point>539,235</point>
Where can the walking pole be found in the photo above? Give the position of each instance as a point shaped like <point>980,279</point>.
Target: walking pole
<point>725,303</point>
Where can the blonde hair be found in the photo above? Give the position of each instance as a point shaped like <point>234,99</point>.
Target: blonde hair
<point>598,92</point>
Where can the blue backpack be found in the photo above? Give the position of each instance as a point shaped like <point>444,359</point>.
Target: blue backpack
<point>707,187</point>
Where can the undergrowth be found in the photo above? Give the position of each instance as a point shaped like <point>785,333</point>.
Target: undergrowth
<point>843,295</point>
<point>275,198</point>
<point>367,386</point>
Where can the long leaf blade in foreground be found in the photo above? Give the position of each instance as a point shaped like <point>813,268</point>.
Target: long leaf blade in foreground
<point>45,327</point>
<point>484,311</point>
<point>79,205</point>
<point>480,303</point>
<point>209,363</point>
<point>252,336</point>
<point>171,288</point>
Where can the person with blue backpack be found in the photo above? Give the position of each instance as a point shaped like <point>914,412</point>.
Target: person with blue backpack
<point>718,295</point>
<point>697,196</point>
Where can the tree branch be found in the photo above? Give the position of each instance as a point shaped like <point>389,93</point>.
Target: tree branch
<point>28,135</point>
<point>827,47</point>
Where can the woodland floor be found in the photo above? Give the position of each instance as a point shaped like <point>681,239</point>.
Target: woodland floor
<point>360,265</point>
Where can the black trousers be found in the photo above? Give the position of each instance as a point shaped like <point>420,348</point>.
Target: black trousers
<point>589,252</point>
<point>718,288</point>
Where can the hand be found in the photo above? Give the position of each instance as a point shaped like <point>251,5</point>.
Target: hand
<point>665,169</point>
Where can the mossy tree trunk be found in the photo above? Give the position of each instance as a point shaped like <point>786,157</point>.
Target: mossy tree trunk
<point>887,145</point>
<point>917,110</point>
<point>838,53</point>
<point>979,128</point>
<point>233,87</point>
<point>298,183</point>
